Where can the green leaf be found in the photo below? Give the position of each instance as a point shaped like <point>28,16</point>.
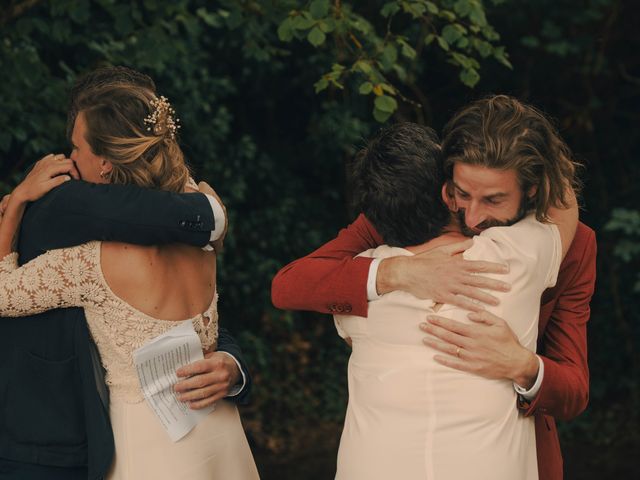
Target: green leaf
<point>365,88</point>
<point>625,220</point>
<point>451,34</point>
<point>302,22</point>
<point>484,48</point>
<point>336,83</point>
<point>380,115</point>
<point>389,56</point>
<point>388,88</point>
<point>319,8</point>
<point>447,15</point>
<point>463,42</point>
<point>500,55</point>
<point>470,77</point>
<point>363,66</point>
<point>389,8</point>
<point>416,10</point>
<point>362,26</point>
<point>489,33</point>
<point>316,37</point>
<point>460,59</point>
<point>401,72</point>
<point>209,18</point>
<point>443,44</point>
<point>407,50</point>
<point>321,84</point>
<point>463,7</point>
<point>385,103</point>
<point>477,15</point>
<point>285,32</point>
<point>432,8</point>
<point>327,26</point>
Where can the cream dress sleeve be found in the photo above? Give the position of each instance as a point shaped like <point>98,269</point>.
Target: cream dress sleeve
<point>62,278</point>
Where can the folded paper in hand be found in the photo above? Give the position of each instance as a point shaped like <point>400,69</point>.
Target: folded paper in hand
<point>156,363</point>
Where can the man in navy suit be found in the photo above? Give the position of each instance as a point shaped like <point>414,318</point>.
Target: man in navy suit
<point>54,420</point>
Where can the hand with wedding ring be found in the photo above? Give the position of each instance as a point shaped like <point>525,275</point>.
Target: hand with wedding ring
<point>487,347</point>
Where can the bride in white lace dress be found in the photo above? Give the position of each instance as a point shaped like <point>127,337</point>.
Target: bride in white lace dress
<point>130,294</point>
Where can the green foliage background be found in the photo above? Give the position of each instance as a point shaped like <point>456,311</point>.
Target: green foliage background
<point>274,98</point>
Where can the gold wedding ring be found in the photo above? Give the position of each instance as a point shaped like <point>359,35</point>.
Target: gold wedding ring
<point>458,352</point>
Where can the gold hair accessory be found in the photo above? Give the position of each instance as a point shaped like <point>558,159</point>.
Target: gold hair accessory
<point>160,120</point>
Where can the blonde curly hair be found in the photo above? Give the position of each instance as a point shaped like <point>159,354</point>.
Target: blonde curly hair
<point>115,116</point>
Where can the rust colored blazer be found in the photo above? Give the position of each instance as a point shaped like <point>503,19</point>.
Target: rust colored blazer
<point>330,280</point>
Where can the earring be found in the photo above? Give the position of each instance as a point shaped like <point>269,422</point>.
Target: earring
<point>102,174</point>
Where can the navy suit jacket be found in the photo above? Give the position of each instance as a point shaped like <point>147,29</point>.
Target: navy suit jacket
<point>52,412</point>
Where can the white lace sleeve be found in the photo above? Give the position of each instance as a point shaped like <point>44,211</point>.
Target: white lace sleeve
<point>62,278</point>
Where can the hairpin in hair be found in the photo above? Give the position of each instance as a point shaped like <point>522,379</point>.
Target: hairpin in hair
<point>161,119</point>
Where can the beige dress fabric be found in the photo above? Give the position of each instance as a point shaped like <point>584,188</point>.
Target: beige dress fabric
<point>410,418</point>
<point>215,449</point>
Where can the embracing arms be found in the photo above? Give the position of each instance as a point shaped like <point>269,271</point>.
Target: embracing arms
<point>492,350</point>
<point>77,212</point>
<point>331,280</point>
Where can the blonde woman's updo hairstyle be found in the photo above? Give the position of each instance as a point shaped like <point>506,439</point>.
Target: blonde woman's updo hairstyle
<point>136,131</point>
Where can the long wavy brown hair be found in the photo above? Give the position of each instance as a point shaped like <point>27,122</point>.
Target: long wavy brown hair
<point>503,133</point>
<point>116,130</point>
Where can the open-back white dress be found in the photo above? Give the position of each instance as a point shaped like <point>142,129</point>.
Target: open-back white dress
<point>215,449</point>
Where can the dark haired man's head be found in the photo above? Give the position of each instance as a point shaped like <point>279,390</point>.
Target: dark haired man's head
<point>397,182</point>
<point>100,78</point>
<point>502,160</point>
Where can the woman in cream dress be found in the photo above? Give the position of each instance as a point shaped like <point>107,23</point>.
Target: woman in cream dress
<point>130,294</point>
<point>410,417</point>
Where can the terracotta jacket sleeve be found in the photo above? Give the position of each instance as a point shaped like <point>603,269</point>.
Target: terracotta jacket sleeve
<point>564,393</point>
<point>329,280</point>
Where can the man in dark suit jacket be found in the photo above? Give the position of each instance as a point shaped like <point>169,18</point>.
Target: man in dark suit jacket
<point>556,381</point>
<point>54,420</point>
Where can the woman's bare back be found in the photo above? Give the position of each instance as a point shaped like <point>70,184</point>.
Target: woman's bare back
<point>170,282</point>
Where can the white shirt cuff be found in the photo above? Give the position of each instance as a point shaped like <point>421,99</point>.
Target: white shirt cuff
<point>533,391</point>
<point>218,218</point>
<point>372,291</point>
<point>236,389</point>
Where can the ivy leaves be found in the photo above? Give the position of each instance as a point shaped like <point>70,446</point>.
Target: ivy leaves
<point>380,62</point>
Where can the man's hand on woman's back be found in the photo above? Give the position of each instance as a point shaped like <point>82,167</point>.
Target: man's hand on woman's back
<point>441,274</point>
